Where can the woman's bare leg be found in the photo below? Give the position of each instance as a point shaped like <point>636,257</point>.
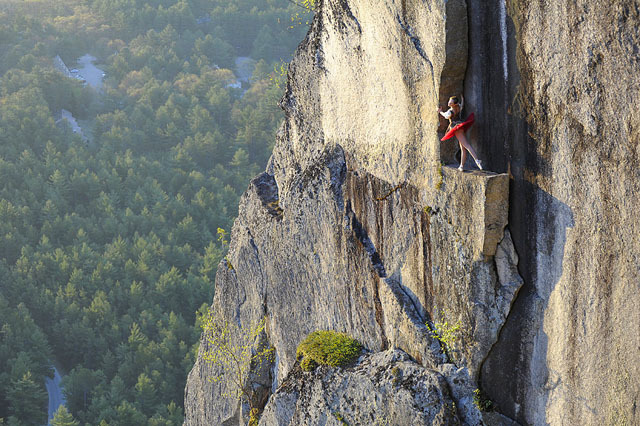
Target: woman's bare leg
<point>464,144</point>
<point>463,156</point>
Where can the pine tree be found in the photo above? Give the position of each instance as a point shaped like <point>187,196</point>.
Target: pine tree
<point>63,418</point>
<point>145,393</point>
<point>26,398</point>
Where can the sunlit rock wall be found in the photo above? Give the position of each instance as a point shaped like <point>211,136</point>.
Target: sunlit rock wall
<point>355,226</point>
<point>380,389</point>
<point>555,84</point>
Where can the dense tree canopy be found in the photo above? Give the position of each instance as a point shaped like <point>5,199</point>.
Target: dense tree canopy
<point>108,245</point>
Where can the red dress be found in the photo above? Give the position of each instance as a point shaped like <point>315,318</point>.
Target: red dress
<point>459,126</point>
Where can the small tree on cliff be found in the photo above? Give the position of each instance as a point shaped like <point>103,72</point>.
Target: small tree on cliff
<point>234,349</point>
<point>309,5</point>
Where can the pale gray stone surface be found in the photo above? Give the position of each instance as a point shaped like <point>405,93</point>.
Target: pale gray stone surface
<point>385,388</point>
<point>351,253</point>
<point>570,352</point>
<point>466,223</point>
<point>508,276</point>
<point>354,227</point>
<point>462,389</point>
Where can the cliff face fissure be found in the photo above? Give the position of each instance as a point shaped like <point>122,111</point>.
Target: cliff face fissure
<point>415,40</point>
<point>265,304</point>
<point>567,64</point>
<point>267,190</point>
<point>509,285</point>
<point>426,250</point>
<point>388,194</point>
<point>346,11</point>
<point>379,315</point>
<point>416,311</point>
<point>361,235</point>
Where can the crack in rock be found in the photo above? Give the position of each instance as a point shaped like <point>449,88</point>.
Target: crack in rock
<point>363,237</point>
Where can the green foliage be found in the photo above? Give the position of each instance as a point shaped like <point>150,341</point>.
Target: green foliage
<point>26,399</point>
<point>441,175</point>
<point>452,409</point>
<point>308,364</point>
<point>396,373</point>
<point>234,349</point>
<point>279,75</point>
<point>24,360</point>
<point>382,420</point>
<point>224,243</point>
<point>63,417</point>
<point>481,401</point>
<point>326,347</point>
<point>145,393</point>
<point>446,333</point>
<point>107,249</point>
<point>340,418</point>
<point>300,18</point>
<point>254,417</point>
<point>223,238</point>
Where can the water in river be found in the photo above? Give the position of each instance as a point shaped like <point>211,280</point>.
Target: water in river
<point>54,389</point>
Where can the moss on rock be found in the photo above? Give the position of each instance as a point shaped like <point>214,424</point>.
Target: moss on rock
<point>326,347</point>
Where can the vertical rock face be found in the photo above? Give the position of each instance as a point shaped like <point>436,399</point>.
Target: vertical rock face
<point>453,72</point>
<point>468,284</point>
<point>343,230</point>
<point>355,227</point>
<point>366,78</point>
<point>570,352</point>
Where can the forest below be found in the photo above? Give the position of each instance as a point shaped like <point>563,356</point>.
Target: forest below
<point>109,245</point>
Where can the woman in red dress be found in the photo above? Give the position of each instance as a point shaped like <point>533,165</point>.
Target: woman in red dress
<point>457,127</point>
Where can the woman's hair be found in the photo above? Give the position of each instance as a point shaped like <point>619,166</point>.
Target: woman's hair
<point>455,100</point>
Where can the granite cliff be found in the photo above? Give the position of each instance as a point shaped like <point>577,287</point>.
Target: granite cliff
<point>356,226</point>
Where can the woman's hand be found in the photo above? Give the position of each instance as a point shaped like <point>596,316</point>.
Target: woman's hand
<point>439,109</point>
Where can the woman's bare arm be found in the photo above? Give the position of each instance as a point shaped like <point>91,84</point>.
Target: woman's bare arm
<point>447,114</point>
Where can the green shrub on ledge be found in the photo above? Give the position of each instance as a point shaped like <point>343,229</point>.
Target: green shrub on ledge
<point>327,347</point>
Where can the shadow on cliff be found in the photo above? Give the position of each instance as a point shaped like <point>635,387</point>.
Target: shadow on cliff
<point>515,374</point>
<point>518,361</point>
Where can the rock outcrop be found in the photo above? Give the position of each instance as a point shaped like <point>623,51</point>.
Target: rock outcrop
<point>356,226</point>
<point>354,254</point>
<point>385,388</point>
